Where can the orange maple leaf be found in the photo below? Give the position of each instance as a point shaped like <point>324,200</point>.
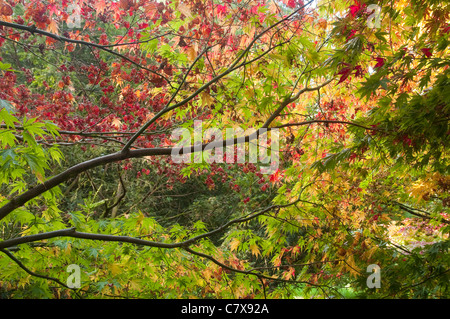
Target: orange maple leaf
<point>52,27</point>
<point>100,6</point>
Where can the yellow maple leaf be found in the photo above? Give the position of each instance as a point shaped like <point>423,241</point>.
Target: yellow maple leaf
<point>168,115</point>
<point>24,281</point>
<point>255,250</point>
<point>68,249</point>
<point>39,176</point>
<point>420,189</point>
<point>191,53</point>
<point>206,99</point>
<point>184,9</point>
<point>351,266</point>
<point>116,123</point>
<point>115,269</point>
<point>234,244</point>
<point>371,251</point>
<point>207,274</point>
<point>135,284</point>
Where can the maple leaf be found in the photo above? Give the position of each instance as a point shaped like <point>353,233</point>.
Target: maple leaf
<point>135,284</point>
<point>100,6</point>
<point>288,274</point>
<point>356,8</point>
<point>427,52</point>
<point>206,99</point>
<point>255,250</point>
<point>50,41</point>
<point>70,47</point>
<point>116,123</point>
<point>115,268</point>
<point>322,23</point>
<point>191,53</point>
<point>52,27</point>
<point>234,244</point>
<point>359,71</point>
<point>353,10</point>
<point>221,10</point>
<point>52,10</point>
<point>345,73</point>
<point>245,40</point>
<point>184,9</point>
<point>151,9</point>
<point>275,177</point>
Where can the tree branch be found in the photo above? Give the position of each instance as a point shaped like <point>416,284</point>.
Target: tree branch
<point>326,121</point>
<point>247,272</point>
<point>21,265</point>
<point>412,212</point>
<point>73,171</point>
<point>289,99</point>
<point>235,65</point>
<point>71,232</point>
<point>33,30</point>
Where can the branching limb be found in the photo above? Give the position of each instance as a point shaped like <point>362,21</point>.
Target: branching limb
<point>328,122</point>
<point>33,30</point>
<point>71,232</point>
<point>235,65</point>
<point>290,99</point>
<point>415,212</point>
<point>247,272</point>
<point>166,108</point>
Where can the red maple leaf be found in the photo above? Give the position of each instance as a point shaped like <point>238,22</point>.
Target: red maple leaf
<point>222,10</point>
<point>353,10</point>
<point>359,71</point>
<point>351,34</point>
<point>356,8</point>
<point>445,28</point>
<point>275,177</point>
<point>427,52</point>
<point>345,72</point>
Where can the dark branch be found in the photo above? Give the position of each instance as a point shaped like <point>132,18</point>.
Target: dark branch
<point>73,171</point>
<point>33,30</point>
<point>234,66</point>
<point>71,232</point>
<point>328,122</point>
<point>32,273</point>
<point>414,211</point>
